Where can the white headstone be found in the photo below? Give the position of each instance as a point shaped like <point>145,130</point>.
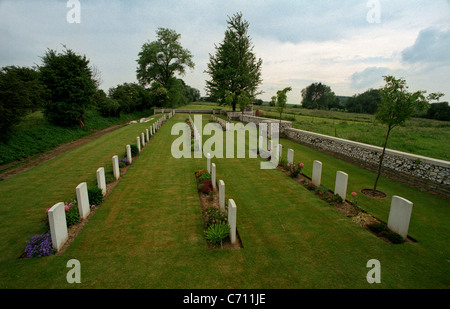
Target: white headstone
<point>222,195</point>
<point>142,140</point>
<point>116,170</point>
<point>147,135</point>
<point>213,175</point>
<point>138,142</point>
<point>340,187</point>
<point>290,156</point>
<point>232,214</point>
<point>101,180</point>
<point>83,200</point>
<point>400,215</point>
<point>280,151</point>
<point>58,225</point>
<point>129,158</point>
<point>317,173</point>
<point>208,162</point>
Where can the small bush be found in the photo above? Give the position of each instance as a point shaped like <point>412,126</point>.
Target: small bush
<point>214,215</point>
<point>72,214</point>
<point>109,177</point>
<point>217,232</point>
<point>95,195</point>
<point>134,150</point>
<point>321,190</point>
<point>205,186</point>
<point>200,172</point>
<point>204,176</point>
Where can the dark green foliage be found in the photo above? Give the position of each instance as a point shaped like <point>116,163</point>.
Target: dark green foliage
<point>381,229</point>
<point>204,176</point>
<point>161,59</point>
<point>21,92</point>
<point>72,215</point>
<point>131,97</point>
<point>134,150</point>
<point>68,78</point>
<point>318,96</point>
<point>95,196</point>
<point>366,102</point>
<point>234,68</point>
<point>439,111</point>
<point>377,227</point>
<point>205,186</point>
<point>217,232</point>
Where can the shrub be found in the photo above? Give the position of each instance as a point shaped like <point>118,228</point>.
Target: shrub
<point>124,162</point>
<point>72,214</point>
<point>95,195</point>
<point>134,150</point>
<point>321,190</point>
<point>39,245</point>
<point>200,172</point>
<point>109,177</point>
<point>205,186</point>
<point>217,232</point>
<point>204,176</point>
<point>214,215</point>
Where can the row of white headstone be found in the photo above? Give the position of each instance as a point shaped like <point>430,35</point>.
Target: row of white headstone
<point>56,214</point>
<point>401,208</point>
<point>232,209</point>
<point>223,123</point>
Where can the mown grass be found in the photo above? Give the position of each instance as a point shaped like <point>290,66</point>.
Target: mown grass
<point>35,134</point>
<point>148,232</point>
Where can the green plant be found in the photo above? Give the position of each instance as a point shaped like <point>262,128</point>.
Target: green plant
<point>214,215</point>
<point>205,176</point>
<point>72,214</point>
<point>217,232</point>
<point>377,228</point>
<point>205,186</point>
<point>134,150</point>
<point>200,172</point>
<point>393,237</point>
<point>109,177</point>
<point>321,190</point>
<point>95,195</point>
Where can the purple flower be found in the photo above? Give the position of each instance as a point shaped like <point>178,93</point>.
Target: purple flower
<point>39,245</point>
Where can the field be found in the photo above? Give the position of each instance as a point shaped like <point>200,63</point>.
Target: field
<point>426,137</point>
<point>148,231</point>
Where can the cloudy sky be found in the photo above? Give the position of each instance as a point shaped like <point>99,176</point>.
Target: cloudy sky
<point>348,45</point>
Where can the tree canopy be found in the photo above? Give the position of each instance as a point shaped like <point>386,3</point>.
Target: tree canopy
<point>318,96</point>
<point>160,60</point>
<point>68,78</point>
<point>234,68</point>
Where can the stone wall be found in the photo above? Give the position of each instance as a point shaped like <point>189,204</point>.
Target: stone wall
<point>190,111</point>
<point>426,174</point>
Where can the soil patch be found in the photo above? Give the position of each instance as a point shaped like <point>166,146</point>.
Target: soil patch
<point>373,194</point>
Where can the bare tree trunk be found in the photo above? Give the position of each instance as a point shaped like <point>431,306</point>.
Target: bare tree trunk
<point>381,160</point>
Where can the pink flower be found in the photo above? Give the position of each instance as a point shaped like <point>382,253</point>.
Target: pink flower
<point>301,164</point>
<point>66,208</point>
<point>354,193</point>
<point>46,211</point>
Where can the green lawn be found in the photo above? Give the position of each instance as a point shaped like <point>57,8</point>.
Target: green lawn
<point>148,232</point>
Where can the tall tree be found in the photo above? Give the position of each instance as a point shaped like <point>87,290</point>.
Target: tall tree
<point>318,95</point>
<point>160,60</point>
<point>281,100</point>
<point>68,78</point>
<point>397,105</point>
<point>234,68</point>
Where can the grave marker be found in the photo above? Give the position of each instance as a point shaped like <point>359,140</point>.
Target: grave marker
<point>317,173</point>
<point>222,195</point>
<point>101,180</point>
<point>116,170</point>
<point>58,225</point>
<point>400,215</point>
<point>232,213</point>
<point>138,142</point>
<point>129,158</point>
<point>213,175</point>
<point>83,200</point>
<point>340,187</point>
<point>290,156</point>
